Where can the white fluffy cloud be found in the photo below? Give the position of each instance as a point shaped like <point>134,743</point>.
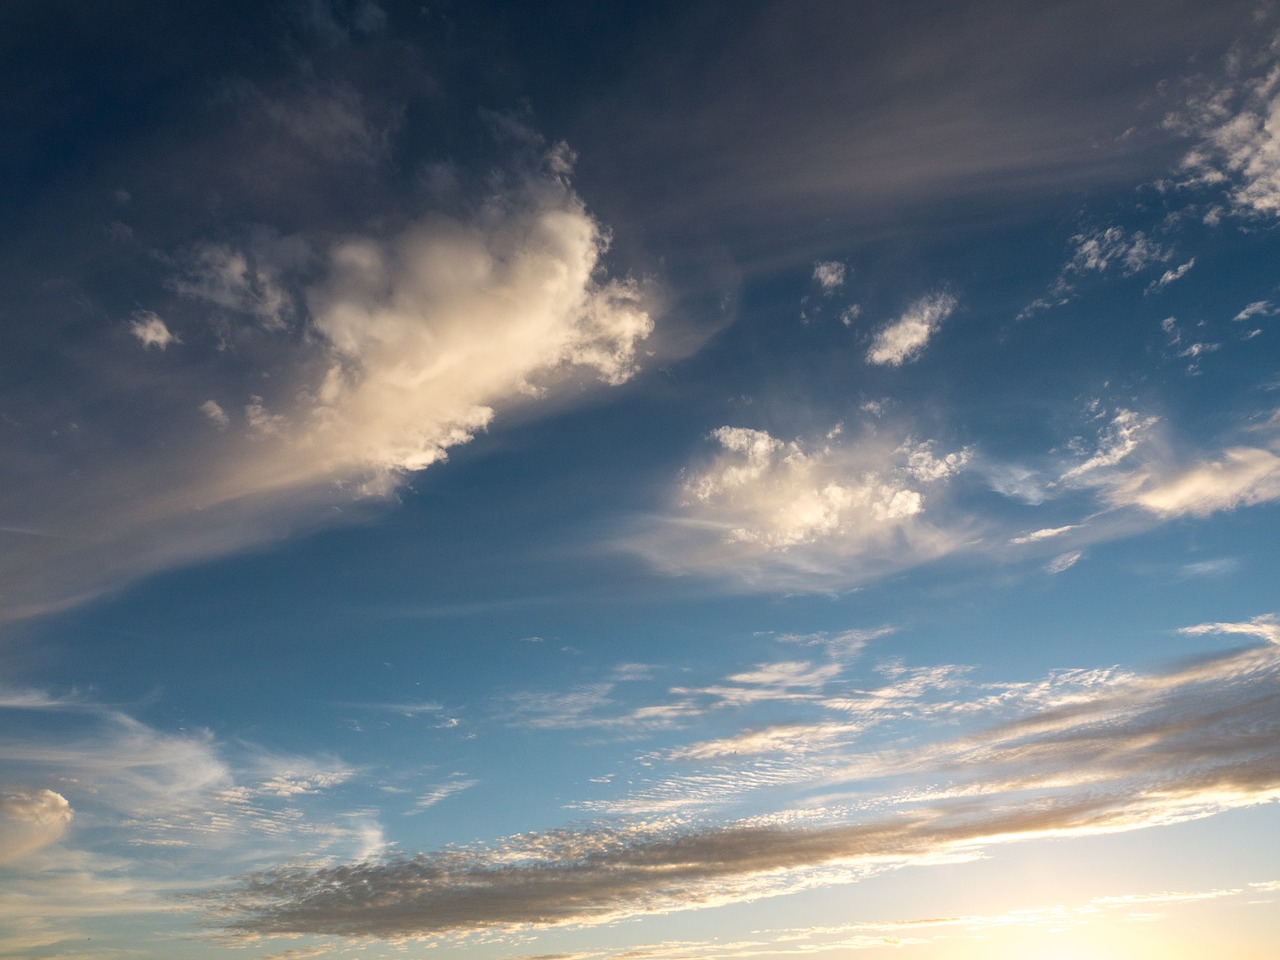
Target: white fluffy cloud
<point>420,338</point>
<point>808,513</point>
<point>906,337</point>
<point>780,495</point>
<point>341,366</point>
<point>428,333</point>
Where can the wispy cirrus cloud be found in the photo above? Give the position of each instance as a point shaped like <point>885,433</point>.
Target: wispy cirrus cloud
<point>1132,463</point>
<point>1103,249</point>
<point>1138,752</point>
<point>1259,308</point>
<point>456,783</point>
<point>1265,627</point>
<point>1240,477</point>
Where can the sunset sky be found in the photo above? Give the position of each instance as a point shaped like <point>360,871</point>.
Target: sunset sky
<point>656,480</point>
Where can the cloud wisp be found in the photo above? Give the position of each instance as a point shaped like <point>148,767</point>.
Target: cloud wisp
<point>1138,752</point>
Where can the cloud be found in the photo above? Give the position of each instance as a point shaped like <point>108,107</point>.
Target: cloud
<point>1259,308</point>
<point>355,361</point>
<point>1244,476</point>
<point>905,338</point>
<point>788,738</point>
<point>1235,124</point>
<point>1170,276</point>
<point>1099,250</point>
<point>99,813</point>
<point>840,510</point>
<point>1139,752</point>
<point>216,414</point>
<point>151,330</point>
<point>456,784</point>
<point>577,708</point>
<point>807,513</point>
<point>787,674</point>
<point>1064,561</point>
<point>157,788</point>
<point>829,275</point>
<point>1265,627</point>
<point>785,497</point>
<point>509,309</point>
<point>843,646</point>
<point>1120,439</point>
<point>1130,465</point>
<point>29,820</point>
<point>1199,349</point>
<point>1037,535</point>
<point>247,282</point>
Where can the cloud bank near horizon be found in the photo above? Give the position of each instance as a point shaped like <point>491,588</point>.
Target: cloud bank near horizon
<point>1136,751</point>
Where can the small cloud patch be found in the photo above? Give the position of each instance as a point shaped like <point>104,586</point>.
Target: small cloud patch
<point>151,330</point>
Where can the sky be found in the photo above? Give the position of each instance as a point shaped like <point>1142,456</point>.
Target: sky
<point>668,480</point>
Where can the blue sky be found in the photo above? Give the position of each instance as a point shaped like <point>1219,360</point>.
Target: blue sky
<point>705,481</point>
